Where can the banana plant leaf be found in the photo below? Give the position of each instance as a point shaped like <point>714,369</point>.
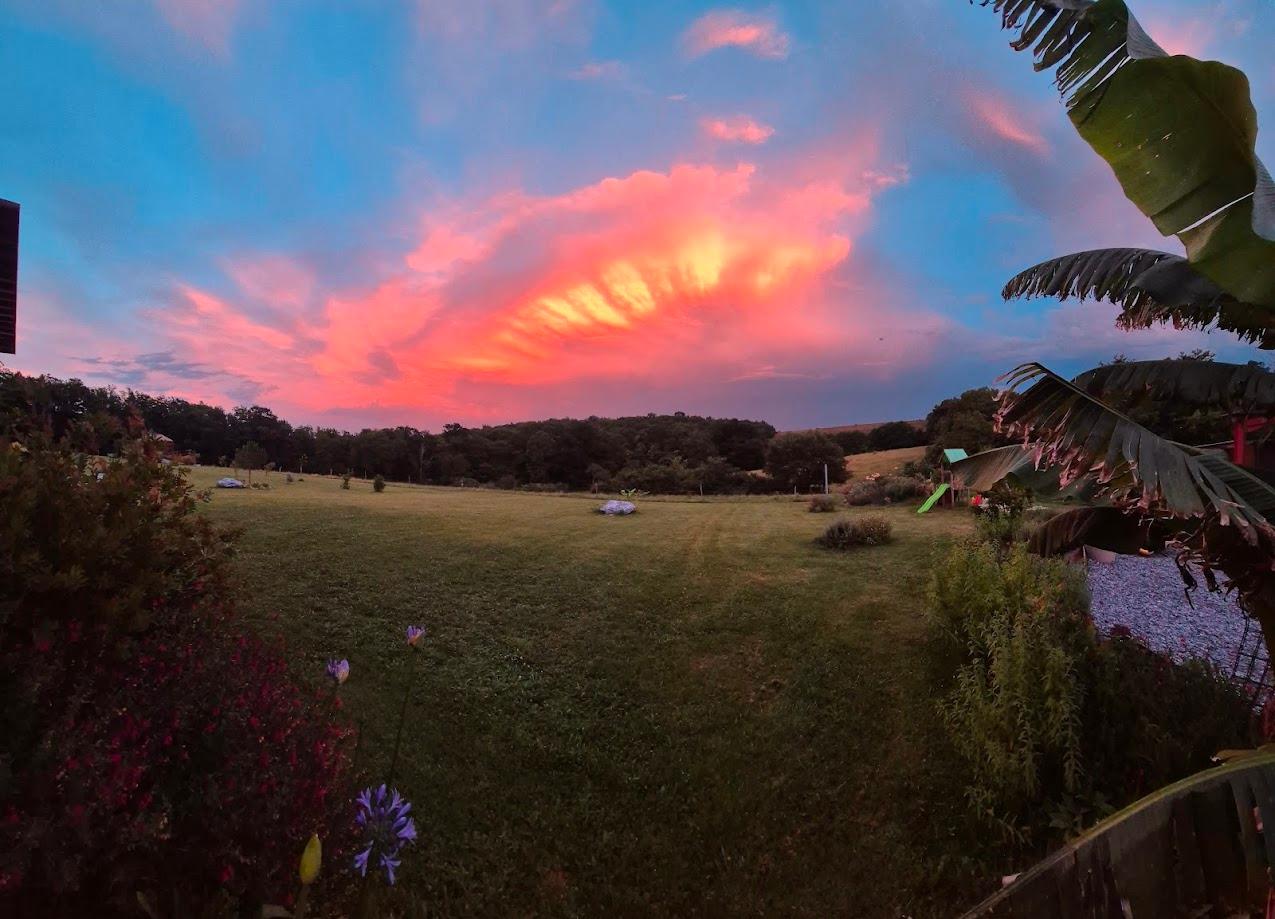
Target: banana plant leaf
<point>1198,847</point>
<point>1247,389</point>
<point>1016,464</point>
<point>1178,133</point>
<point>1150,287</point>
<point>1110,528</point>
<point>1066,428</point>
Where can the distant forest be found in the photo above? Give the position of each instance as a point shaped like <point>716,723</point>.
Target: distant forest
<point>657,453</point>
<point>667,454</point>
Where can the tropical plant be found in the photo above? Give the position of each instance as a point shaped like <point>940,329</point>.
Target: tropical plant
<point>1179,135</point>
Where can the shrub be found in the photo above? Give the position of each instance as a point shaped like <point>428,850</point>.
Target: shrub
<point>823,504</point>
<point>851,533</point>
<point>506,482</point>
<point>884,490</point>
<point>902,488</point>
<point>868,491</point>
<point>378,484</point>
<point>148,745</point>
<point>345,481</point>
<point>287,478</point>
<point>1054,727</point>
<point>1001,517</point>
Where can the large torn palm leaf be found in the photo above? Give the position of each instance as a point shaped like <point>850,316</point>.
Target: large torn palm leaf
<point>1150,287</point>
<point>1110,528</point>
<point>1245,389</point>
<point>1178,133</point>
<point>1066,428</point>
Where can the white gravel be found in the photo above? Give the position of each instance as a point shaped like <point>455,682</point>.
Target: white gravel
<point>1146,595</point>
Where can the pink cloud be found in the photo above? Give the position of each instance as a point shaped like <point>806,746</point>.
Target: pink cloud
<point>998,116</point>
<point>206,22</point>
<point>598,70</point>
<point>501,23</point>
<point>694,276</point>
<point>759,35</point>
<point>740,128</point>
<point>274,280</point>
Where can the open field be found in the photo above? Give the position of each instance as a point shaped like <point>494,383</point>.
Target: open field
<point>883,461</point>
<point>692,711</point>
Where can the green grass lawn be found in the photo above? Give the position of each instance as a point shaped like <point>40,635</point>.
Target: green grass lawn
<point>691,711</point>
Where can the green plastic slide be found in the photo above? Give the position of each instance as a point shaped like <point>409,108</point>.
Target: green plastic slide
<point>933,499</point>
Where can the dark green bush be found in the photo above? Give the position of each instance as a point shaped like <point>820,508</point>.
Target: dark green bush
<point>1053,726</point>
<point>898,488</point>
<point>148,745</point>
<point>378,484</point>
<point>345,481</point>
<point>823,504</point>
<point>886,489</point>
<point>868,491</point>
<point>848,533</point>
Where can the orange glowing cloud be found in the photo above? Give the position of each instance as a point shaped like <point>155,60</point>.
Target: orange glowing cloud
<point>1003,121</point>
<point>759,35</point>
<point>739,129</point>
<point>697,275</point>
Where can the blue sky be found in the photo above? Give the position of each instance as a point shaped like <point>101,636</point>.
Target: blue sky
<point>366,213</point>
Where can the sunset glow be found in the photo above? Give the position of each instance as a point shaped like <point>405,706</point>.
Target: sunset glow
<point>490,211</point>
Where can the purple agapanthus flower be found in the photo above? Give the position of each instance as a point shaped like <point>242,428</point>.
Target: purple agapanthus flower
<point>339,670</point>
<point>383,815</point>
<point>414,634</point>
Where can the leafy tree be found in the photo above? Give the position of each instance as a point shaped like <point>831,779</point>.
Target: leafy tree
<point>852,442</point>
<point>893,435</point>
<point>967,421</point>
<point>250,456</point>
<point>797,460</point>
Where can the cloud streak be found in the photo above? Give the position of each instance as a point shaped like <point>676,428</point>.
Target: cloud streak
<point>739,129</point>
<point>759,35</point>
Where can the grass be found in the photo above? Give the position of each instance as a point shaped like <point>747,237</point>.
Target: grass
<point>883,461</point>
<point>692,711</point>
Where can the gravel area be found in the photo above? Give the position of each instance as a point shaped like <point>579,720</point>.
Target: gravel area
<point>1146,595</point>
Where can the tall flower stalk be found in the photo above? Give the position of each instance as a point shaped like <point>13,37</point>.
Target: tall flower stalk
<point>415,634</point>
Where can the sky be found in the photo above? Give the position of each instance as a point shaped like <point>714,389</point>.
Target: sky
<point>364,213</point>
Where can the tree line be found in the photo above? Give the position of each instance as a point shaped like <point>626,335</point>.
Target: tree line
<point>676,453</point>
<point>659,453</point>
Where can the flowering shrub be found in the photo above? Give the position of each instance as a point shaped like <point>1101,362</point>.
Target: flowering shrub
<point>884,489</point>
<point>848,534</point>
<point>823,504</point>
<point>147,746</point>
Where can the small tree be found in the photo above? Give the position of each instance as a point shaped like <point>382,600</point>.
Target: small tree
<point>797,459</point>
<point>894,435</point>
<point>250,456</point>
<point>378,484</point>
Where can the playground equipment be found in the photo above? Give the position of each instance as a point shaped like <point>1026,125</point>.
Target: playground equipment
<point>947,489</point>
<point>934,498</point>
